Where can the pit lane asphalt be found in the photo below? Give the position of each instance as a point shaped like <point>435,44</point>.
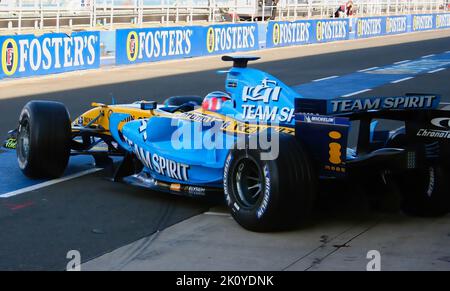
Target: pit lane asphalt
<point>95,216</point>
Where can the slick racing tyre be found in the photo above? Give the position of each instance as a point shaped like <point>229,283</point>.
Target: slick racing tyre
<point>424,192</point>
<point>43,139</point>
<point>180,100</point>
<point>270,195</point>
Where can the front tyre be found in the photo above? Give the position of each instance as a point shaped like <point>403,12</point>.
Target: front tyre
<point>270,195</point>
<point>43,139</point>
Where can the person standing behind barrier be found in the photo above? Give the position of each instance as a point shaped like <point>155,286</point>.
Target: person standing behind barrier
<point>274,9</point>
<point>349,8</point>
<point>340,12</point>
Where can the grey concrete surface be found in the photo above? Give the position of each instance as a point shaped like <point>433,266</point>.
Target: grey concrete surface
<point>216,242</point>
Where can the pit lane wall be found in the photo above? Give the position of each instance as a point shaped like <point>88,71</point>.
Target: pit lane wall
<point>283,33</point>
<point>30,55</point>
<point>164,43</point>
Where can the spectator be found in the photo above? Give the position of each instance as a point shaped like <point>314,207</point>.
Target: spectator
<point>340,12</point>
<point>349,8</point>
<point>274,9</point>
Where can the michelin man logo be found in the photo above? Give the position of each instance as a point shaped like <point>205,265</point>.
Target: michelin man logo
<point>262,92</point>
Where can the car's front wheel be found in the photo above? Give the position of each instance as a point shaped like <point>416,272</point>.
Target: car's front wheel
<point>43,139</point>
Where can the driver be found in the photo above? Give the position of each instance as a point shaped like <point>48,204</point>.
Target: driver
<point>214,100</point>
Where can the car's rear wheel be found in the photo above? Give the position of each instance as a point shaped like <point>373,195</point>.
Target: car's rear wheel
<point>270,195</point>
<point>423,192</point>
<point>43,139</point>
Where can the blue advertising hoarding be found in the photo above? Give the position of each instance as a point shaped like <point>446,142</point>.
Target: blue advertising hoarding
<point>331,29</point>
<point>284,33</point>
<point>155,44</point>
<point>421,22</point>
<point>163,43</point>
<point>30,55</point>
<point>219,39</point>
<point>300,32</point>
<point>370,27</point>
<point>442,20</point>
<point>397,24</point>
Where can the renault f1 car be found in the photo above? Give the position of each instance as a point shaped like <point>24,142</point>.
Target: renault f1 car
<point>260,143</point>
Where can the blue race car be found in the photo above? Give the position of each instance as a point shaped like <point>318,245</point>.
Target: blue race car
<point>260,143</point>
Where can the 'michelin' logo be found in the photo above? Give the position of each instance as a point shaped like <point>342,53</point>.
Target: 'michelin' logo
<point>10,56</point>
<point>132,46</point>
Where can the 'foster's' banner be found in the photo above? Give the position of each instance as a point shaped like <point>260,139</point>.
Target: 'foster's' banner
<point>396,24</point>
<point>443,20</point>
<point>164,43</point>
<point>29,55</point>
<point>422,22</point>
<point>331,30</point>
<point>284,33</point>
<point>370,26</point>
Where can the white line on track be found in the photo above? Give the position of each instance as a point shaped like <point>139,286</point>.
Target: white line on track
<point>216,213</point>
<point>435,71</point>
<point>49,183</point>
<point>357,92</point>
<point>401,62</point>
<point>401,80</point>
<point>326,78</point>
<point>428,56</point>
<point>368,69</point>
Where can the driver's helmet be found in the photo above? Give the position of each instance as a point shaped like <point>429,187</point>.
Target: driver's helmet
<point>214,100</point>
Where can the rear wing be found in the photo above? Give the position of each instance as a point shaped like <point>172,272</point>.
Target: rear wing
<point>427,133</point>
<point>351,105</point>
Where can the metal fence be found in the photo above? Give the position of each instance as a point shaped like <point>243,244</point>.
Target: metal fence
<point>17,16</point>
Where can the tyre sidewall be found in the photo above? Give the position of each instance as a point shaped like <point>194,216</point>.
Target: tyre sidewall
<point>426,193</point>
<point>26,117</point>
<point>264,210</point>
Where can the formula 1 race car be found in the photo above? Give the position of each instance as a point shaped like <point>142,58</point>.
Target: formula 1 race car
<point>260,143</point>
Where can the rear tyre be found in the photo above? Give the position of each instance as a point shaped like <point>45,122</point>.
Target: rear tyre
<point>423,192</point>
<point>270,195</point>
<point>43,139</point>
